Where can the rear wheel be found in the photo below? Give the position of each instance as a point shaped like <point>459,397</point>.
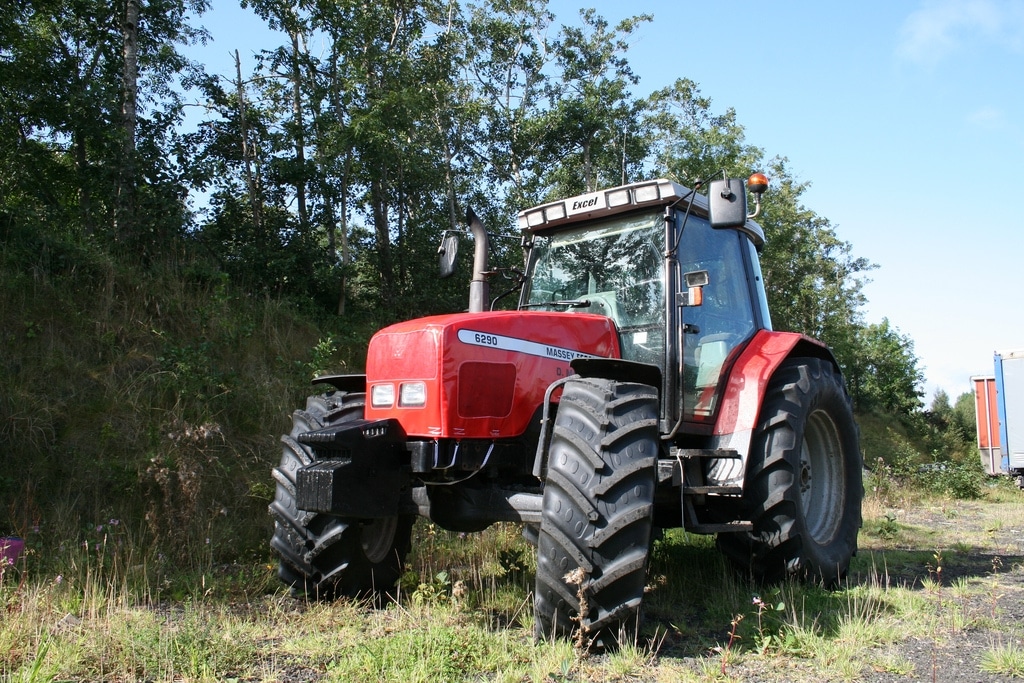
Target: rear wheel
<point>323,556</point>
<point>597,510</point>
<point>804,483</point>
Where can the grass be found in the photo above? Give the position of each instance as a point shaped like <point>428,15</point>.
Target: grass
<point>468,615</point>
<point>1006,660</point>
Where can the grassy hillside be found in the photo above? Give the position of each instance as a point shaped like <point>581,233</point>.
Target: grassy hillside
<point>152,396</point>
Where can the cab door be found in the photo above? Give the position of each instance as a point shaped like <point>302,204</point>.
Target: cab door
<point>716,330</point>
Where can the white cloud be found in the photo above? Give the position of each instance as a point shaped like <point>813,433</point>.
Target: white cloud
<point>989,118</point>
<point>940,28</point>
<point>996,124</point>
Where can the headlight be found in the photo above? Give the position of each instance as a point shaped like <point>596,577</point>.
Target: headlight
<point>646,193</point>
<point>412,395</point>
<point>618,198</point>
<point>556,212</point>
<point>382,395</point>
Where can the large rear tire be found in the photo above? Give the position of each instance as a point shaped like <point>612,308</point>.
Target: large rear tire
<point>597,510</point>
<point>804,481</point>
<point>323,556</point>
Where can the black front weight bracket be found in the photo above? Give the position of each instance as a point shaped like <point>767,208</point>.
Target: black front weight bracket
<point>358,471</point>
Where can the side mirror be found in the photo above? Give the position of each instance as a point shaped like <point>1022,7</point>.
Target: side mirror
<point>727,200</point>
<point>727,203</point>
<point>447,253</point>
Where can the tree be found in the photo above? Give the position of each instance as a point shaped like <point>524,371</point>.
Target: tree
<point>592,117</point>
<point>885,375</point>
<point>814,281</point>
<point>956,422</point>
<point>690,143</point>
<point>364,138</point>
<point>940,407</point>
<point>413,110</point>
<point>507,53</point>
<point>88,110</point>
<point>124,216</point>
<point>964,417</point>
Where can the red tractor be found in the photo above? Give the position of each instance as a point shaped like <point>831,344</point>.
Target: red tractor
<point>639,385</point>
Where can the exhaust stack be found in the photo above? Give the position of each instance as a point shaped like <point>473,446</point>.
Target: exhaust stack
<point>479,288</point>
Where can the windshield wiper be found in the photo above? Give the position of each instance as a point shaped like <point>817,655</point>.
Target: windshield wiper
<point>568,303</point>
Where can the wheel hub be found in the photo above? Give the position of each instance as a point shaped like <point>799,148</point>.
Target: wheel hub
<point>378,537</point>
<point>822,479</point>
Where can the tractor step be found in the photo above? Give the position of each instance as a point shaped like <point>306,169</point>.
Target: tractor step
<point>689,453</point>
<point>694,524</point>
<point>722,490</point>
<point>724,528</point>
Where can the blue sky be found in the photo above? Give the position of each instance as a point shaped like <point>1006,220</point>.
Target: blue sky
<point>906,118</point>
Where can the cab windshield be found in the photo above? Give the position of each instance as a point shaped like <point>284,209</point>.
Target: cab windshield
<point>613,268</point>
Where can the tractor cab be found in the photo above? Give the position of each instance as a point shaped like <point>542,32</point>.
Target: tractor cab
<point>685,295</point>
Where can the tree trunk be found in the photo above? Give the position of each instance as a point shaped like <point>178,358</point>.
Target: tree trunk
<point>454,217</point>
<point>300,142</point>
<point>255,202</point>
<point>588,167</point>
<point>379,203</point>
<point>84,194</point>
<point>124,213</point>
<point>345,255</point>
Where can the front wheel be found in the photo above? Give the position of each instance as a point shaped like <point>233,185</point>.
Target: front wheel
<point>323,556</point>
<point>598,500</point>
<point>804,482</point>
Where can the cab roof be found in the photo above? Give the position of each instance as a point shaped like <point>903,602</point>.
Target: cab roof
<point>615,200</point>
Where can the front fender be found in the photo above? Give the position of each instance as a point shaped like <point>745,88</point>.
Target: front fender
<point>753,369</point>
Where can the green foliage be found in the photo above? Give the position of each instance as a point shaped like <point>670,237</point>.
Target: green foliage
<point>961,480</point>
<point>331,175</point>
<point>955,421</point>
<point>134,620</point>
<point>915,455</point>
<point>434,592</point>
<point>323,357</point>
<point>772,634</point>
<point>151,392</point>
<point>884,373</point>
<point>593,123</point>
<point>140,404</point>
<point>887,528</point>
<point>813,280</point>
<point>69,160</point>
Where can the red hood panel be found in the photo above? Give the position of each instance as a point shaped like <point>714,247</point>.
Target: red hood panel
<point>485,373</point>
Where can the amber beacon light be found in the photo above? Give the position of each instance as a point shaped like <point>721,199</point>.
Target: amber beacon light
<point>757,183</point>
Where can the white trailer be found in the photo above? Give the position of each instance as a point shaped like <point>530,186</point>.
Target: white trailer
<point>999,408</point>
<point>1009,367</point>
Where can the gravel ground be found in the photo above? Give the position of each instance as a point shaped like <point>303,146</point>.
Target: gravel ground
<point>981,543</point>
<point>977,544</point>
